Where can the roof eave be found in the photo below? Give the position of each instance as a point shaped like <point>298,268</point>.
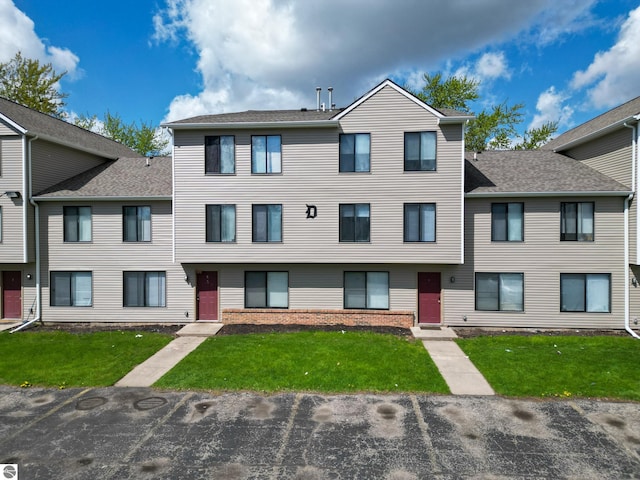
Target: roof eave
<point>251,125</point>
<point>611,193</point>
<point>597,133</point>
<point>98,153</point>
<point>94,198</point>
<point>16,126</point>
<point>453,120</point>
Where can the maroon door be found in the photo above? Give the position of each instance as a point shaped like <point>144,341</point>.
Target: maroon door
<point>207,296</point>
<point>11,295</point>
<point>428,297</point>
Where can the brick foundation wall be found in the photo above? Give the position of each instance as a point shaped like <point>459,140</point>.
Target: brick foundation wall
<point>266,316</point>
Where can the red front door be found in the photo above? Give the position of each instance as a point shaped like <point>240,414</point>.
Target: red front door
<point>428,297</point>
<point>11,295</point>
<point>207,296</point>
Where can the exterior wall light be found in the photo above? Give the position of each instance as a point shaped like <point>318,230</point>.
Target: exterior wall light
<point>12,194</point>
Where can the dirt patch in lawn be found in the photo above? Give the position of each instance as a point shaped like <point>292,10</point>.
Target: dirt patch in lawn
<point>471,332</point>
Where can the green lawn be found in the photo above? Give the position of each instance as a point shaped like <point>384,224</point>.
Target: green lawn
<point>65,359</point>
<point>558,366</point>
<point>328,362</point>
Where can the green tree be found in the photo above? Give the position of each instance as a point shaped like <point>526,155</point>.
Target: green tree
<point>492,129</point>
<point>143,138</point>
<point>34,85</point>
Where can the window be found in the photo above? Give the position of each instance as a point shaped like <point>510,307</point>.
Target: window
<point>354,152</point>
<point>136,224</point>
<point>366,290</point>
<point>419,151</point>
<point>267,223</point>
<point>266,155</point>
<point>219,154</point>
<point>354,222</point>
<point>77,224</point>
<point>500,292</point>
<point>585,292</point>
<point>576,222</point>
<point>221,223</point>
<point>144,289</point>
<point>71,289</point>
<point>266,290</point>
<point>507,222</point>
<point>419,222</point>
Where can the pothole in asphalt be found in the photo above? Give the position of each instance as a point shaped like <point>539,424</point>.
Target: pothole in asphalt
<point>90,403</point>
<point>149,403</point>
<point>84,461</point>
<point>523,415</point>
<point>388,412</point>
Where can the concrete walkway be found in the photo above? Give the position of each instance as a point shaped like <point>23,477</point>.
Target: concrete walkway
<point>152,369</point>
<point>455,367</point>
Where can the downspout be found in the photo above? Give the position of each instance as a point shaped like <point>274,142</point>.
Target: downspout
<point>37,242</point>
<point>627,324</point>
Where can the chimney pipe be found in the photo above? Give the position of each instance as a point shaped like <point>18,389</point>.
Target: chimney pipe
<point>330,98</point>
<point>318,89</point>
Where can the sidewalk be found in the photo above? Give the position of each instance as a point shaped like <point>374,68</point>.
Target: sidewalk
<point>152,369</point>
<point>455,367</point>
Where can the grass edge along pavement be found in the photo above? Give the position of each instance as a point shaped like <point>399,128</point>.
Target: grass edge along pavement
<point>63,359</point>
<point>558,366</point>
<point>317,361</point>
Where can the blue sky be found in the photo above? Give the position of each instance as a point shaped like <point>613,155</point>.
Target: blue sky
<point>162,60</point>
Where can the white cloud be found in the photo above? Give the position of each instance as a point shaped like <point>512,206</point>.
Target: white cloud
<point>272,53</point>
<point>612,77</point>
<point>17,34</point>
<point>552,107</point>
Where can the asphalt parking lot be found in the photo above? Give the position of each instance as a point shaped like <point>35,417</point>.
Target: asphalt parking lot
<point>120,433</point>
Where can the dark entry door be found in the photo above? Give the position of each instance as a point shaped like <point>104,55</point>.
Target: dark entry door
<point>207,295</point>
<point>428,297</point>
<point>11,295</point>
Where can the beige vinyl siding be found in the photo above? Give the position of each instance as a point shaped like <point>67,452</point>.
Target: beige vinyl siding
<point>310,177</point>
<point>6,129</point>
<point>610,155</point>
<point>320,286</point>
<point>107,256</point>
<point>54,163</point>
<point>12,242</point>
<point>542,257</point>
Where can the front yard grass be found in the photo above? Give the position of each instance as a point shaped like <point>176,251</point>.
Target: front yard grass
<point>62,359</point>
<point>327,362</point>
<point>558,366</point>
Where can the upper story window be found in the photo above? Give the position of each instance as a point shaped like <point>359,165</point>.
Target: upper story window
<point>419,222</point>
<point>136,224</point>
<point>507,222</point>
<point>576,221</point>
<point>221,223</point>
<point>585,292</point>
<point>266,154</point>
<point>77,224</point>
<point>144,289</point>
<point>71,289</point>
<point>354,222</point>
<point>219,154</point>
<point>419,151</point>
<point>355,150</point>
<point>266,290</point>
<point>267,223</point>
<point>366,290</point>
<point>500,292</point>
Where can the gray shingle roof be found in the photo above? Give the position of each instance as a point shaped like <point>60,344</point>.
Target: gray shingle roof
<point>260,116</point>
<point>601,122</point>
<point>59,131</point>
<point>125,177</point>
<point>533,171</point>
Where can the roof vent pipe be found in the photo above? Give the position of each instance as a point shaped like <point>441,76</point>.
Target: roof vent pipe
<point>318,90</point>
<point>331,104</point>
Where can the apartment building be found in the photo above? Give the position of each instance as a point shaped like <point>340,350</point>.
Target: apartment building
<point>371,214</point>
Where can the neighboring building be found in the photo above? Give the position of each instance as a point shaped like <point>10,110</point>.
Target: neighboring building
<point>372,214</point>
